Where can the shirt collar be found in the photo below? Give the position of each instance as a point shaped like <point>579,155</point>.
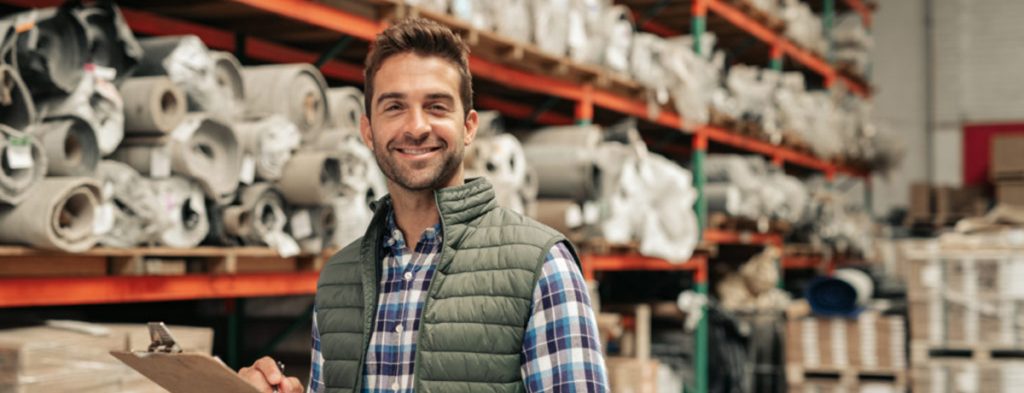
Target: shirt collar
<point>394,240</point>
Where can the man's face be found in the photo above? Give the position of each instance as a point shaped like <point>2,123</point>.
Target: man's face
<point>419,131</point>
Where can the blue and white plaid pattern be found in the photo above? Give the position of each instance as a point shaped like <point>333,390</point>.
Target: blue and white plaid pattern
<point>561,351</point>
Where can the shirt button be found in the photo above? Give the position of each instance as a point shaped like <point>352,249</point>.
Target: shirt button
<point>394,386</point>
<point>407,276</point>
<point>399,328</point>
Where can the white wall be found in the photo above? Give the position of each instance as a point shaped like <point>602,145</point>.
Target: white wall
<point>898,61</point>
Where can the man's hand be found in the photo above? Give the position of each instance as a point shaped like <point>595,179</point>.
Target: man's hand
<point>265,376</point>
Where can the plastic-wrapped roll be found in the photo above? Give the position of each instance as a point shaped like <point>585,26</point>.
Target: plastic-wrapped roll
<point>564,215</point>
<point>618,22</point>
<point>730,168</point>
<point>644,60</point>
<point>111,42</point>
<point>57,214</point>
<point>138,217</point>
<point>585,137</point>
<point>512,19</point>
<point>500,159</point>
<point>17,110</point>
<point>95,101</point>
<point>297,91</point>
<point>24,164</point>
<point>153,105</point>
<point>270,142</point>
<point>188,63</point>
<point>354,216</point>
<point>260,213</point>
<point>475,12</point>
<point>184,210</point>
<point>723,197</point>
<point>227,72</point>
<point>360,174</point>
<point>346,108</point>
<point>550,30</point>
<point>311,178</point>
<point>313,227</point>
<point>439,6</point>
<point>670,230</point>
<point>200,148</point>
<point>70,145</point>
<point>52,54</point>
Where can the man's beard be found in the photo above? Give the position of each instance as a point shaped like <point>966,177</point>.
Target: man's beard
<point>436,177</point>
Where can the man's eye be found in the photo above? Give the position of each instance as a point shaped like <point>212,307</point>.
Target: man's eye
<point>439,107</point>
<point>392,107</point>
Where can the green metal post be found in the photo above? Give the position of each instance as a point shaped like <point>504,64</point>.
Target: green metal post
<point>700,146</point>
<point>236,314</point>
<point>828,16</point>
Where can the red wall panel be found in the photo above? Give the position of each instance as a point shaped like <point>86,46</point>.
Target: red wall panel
<point>977,148</point>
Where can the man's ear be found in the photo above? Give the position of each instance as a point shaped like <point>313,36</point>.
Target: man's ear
<point>366,132</point>
<point>472,124</point>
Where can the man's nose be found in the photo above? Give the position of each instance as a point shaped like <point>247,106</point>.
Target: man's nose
<point>418,122</point>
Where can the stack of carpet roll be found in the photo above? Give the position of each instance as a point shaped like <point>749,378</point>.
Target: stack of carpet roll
<point>748,187</point>
<point>499,157</point>
<point>603,183</point>
<point>162,141</point>
<point>852,43</point>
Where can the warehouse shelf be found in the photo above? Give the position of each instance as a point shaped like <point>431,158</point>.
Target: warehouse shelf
<point>149,18</point>
<point>717,236</point>
<point>58,291</point>
<point>778,45</point>
<point>593,263</point>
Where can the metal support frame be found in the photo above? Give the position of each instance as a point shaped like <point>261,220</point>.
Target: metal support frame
<point>777,59</point>
<point>700,147</point>
<point>585,107</point>
<point>828,16</point>
<point>333,51</point>
<point>236,316</point>
<point>297,323</point>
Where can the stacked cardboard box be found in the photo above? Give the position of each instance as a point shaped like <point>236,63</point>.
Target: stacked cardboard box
<point>943,205</point>
<point>847,349</point>
<point>53,360</point>
<point>1007,168</point>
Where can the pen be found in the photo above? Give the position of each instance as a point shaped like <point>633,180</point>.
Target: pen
<point>280,367</point>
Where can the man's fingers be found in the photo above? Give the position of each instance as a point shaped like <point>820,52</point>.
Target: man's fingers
<point>268,367</point>
<point>255,378</point>
<point>291,385</point>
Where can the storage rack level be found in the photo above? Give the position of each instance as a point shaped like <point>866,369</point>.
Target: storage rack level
<point>227,25</point>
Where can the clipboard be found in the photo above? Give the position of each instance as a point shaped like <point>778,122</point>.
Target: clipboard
<point>182,372</point>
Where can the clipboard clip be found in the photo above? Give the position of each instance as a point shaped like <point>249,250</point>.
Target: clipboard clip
<point>161,339</point>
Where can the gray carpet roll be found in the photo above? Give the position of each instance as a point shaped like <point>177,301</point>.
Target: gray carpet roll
<point>70,145</point>
<point>23,164</point>
<point>346,108</point>
<point>297,91</point>
<point>723,198</point>
<point>153,105</point>
<point>313,227</point>
<point>95,101</point>
<point>550,30</point>
<point>57,214</point>
<point>259,213</point>
<point>311,178</point>
<point>227,72</point>
<point>51,55</point>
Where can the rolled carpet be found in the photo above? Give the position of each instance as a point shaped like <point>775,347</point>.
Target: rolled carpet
<point>269,141</point>
<point>70,145</point>
<point>138,212</point>
<point>52,53</point>
<point>153,105</point>
<point>297,91</point>
<point>346,108</point>
<point>311,178</point>
<point>260,212</point>
<point>57,214</point>
<point>17,109</point>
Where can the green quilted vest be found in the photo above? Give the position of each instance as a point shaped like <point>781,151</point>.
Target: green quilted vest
<point>476,310</point>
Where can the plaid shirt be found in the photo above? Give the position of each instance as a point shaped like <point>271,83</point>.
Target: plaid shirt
<point>561,350</point>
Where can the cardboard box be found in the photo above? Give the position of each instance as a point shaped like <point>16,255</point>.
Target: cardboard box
<point>968,377</point>
<point>870,342</point>
<point>1007,160</point>
<point>632,375</point>
<point>1010,192</point>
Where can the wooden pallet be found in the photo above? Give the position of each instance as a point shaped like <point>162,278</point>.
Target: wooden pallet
<point>922,353</point>
<point>16,261</point>
<point>601,246</point>
<point>797,375</point>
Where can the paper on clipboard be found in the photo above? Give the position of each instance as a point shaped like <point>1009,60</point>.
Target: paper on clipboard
<point>185,372</point>
<point>181,372</point>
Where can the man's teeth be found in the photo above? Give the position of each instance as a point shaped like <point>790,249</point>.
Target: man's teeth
<point>415,151</point>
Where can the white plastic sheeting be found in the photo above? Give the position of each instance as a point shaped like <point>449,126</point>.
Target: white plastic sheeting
<point>268,143</point>
<point>183,209</point>
<point>748,187</point>
<point>97,101</point>
<point>501,160</point>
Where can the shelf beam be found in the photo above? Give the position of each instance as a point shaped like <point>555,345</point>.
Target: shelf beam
<point>58,291</point>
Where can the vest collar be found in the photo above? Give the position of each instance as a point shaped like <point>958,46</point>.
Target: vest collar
<point>458,204</point>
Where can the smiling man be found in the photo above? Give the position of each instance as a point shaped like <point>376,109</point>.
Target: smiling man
<point>485,300</point>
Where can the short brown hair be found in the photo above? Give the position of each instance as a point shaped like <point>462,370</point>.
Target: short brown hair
<point>424,38</point>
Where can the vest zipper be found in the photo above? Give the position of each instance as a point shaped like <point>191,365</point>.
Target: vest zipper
<point>430,293</point>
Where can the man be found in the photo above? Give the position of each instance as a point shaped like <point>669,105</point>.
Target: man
<point>486,300</point>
